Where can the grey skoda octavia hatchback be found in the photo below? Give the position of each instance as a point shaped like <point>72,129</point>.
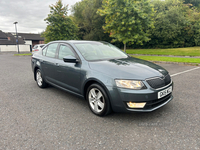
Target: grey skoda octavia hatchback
<point>109,79</point>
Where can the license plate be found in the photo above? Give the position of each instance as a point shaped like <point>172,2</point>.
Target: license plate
<point>164,92</point>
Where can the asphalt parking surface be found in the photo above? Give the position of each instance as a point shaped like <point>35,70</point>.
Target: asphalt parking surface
<point>34,118</point>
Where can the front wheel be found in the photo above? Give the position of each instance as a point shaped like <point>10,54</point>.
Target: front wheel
<point>98,100</point>
<point>39,79</point>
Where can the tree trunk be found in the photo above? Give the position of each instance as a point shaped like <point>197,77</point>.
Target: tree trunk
<point>125,47</point>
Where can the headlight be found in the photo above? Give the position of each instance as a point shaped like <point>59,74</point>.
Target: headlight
<point>130,84</point>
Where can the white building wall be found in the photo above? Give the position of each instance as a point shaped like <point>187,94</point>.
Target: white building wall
<point>28,42</point>
<point>13,48</point>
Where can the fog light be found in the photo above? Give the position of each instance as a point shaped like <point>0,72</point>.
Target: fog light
<point>136,105</point>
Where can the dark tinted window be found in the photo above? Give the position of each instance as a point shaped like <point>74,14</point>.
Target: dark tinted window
<point>51,50</point>
<point>65,51</point>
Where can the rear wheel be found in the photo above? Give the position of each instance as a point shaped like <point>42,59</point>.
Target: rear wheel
<point>98,100</point>
<point>39,79</point>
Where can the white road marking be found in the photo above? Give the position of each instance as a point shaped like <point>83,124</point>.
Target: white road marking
<point>185,71</point>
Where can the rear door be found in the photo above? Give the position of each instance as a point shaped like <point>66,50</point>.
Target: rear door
<point>48,63</point>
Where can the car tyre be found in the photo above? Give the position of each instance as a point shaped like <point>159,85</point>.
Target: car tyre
<point>39,79</point>
<point>98,100</point>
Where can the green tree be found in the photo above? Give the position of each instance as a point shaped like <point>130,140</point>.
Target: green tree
<point>193,2</point>
<point>176,25</point>
<point>169,23</point>
<point>193,27</point>
<point>127,21</point>
<point>60,26</point>
<point>89,22</point>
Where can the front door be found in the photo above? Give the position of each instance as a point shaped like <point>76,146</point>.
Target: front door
<point>68,74</point>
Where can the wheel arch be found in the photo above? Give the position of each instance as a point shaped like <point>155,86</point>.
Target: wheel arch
<point>93,81</point>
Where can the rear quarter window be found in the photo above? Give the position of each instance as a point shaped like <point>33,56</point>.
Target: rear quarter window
<point>51,50</point>
<point>44,51</point>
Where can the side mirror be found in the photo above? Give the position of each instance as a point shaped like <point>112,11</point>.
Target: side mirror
<point>70,59</point>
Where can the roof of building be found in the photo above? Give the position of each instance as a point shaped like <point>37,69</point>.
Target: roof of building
<point>30,36</point>
<point>3,36</point>
<point>11,40</point>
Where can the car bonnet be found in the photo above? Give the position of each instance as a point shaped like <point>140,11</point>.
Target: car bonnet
<point>128,68</point>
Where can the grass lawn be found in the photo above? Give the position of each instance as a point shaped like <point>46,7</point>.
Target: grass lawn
<point>24,54</point>
<point>189,51</point>
<point>170,59</point>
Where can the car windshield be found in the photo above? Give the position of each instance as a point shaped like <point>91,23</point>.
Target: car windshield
<point>99,51</point>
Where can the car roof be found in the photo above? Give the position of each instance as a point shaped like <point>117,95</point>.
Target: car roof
<point>77,41</point>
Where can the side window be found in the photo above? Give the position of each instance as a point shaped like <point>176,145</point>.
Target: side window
<point>65,51</point>
<point>44,51</point>
<point>51,51</point>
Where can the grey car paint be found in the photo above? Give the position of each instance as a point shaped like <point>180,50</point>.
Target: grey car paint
<point>75,77</point>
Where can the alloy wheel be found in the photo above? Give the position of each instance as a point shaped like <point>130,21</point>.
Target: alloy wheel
<point>39,78</point>
<point>96,100</point>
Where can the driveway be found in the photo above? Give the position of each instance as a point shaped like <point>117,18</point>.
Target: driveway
<point>34,118</point>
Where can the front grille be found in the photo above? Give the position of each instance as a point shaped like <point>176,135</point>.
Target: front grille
<point>157,102</point>
<point>159,82</point>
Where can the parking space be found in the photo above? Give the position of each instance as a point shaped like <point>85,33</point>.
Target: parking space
<point>34,118</point>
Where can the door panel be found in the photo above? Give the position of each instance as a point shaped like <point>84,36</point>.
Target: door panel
<point>68,74</point>
<point>49,64</point>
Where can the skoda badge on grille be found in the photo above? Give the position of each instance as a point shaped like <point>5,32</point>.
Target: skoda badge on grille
<point>162,77</point>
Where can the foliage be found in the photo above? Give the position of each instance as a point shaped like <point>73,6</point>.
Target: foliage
<point>127,20</point>
<point>193,2</point>
<point>88,21</point>
<point>193,28</point>
<point>176,25</point>
<point>177,22</point>
<point>60,26</point>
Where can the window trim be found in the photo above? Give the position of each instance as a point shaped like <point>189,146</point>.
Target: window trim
<point>55,51</point>
<point>46,50</point>
<point>68,45</point>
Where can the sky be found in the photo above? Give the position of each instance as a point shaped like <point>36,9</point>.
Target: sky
<point>29,14</point>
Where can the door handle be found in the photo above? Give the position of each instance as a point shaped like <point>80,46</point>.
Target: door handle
<point>57,64</point>
<point>41,60</point>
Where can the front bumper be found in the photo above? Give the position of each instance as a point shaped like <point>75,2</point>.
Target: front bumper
<point>153,105</point>
<point>120,97</point>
